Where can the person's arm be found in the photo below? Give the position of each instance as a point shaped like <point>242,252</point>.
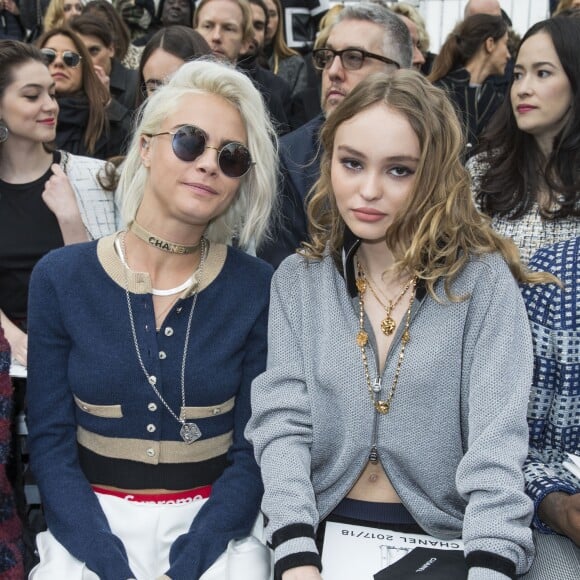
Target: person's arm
<point>233,506</point>
<point>73,513</point>
<point>60,198</point>
<point>561,511</point>
<point>555,493</point>
<point>17,339</point>
<point>497,373</point>
<point>281,432</point>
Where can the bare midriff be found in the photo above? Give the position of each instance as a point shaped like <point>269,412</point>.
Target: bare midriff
<point>374,485</point>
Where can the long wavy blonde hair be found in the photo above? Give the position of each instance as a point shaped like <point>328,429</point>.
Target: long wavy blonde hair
<point>439,228</point>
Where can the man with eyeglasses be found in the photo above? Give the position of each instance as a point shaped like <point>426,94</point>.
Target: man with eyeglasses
<point>365,38</point>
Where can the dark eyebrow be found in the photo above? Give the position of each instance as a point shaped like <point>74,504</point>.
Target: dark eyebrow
<point>36,86</point>
<point>392,159</point>
<point>536,65</point>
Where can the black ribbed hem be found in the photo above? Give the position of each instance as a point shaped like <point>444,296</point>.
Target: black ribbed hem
<point>295,560</point>
<point>291,532</point>
<point>483,559</point>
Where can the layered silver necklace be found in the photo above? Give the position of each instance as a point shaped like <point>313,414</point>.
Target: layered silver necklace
<point>189,432</point>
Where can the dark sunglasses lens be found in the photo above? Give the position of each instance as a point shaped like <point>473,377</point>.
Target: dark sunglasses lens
<point>71,59</point>
<point>235,160</point>
<point>49,55</point>
<point>188,143</point>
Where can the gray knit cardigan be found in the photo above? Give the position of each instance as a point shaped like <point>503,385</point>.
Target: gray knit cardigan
<point>454,440</point>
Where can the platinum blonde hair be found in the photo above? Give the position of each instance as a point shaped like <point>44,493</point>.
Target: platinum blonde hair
<point>248,216</point>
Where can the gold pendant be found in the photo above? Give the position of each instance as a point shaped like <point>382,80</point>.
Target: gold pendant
<point>388,325</point>
<point>361,285</point>
<point>362,338</point>
<point>382,407</point>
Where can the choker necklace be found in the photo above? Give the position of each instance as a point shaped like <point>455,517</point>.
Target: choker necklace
<point>382,406</point>
<point>160,243</point>
<point>388,324</point>
<point>155,291</point>
<point>189,432</point>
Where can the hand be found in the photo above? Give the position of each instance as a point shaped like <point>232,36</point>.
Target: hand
<point>18,341</point>
<point>10,6</point>
<point>561,512</point>
<point>59,195</point>
<point>302,573</point>
<point>103,77</point>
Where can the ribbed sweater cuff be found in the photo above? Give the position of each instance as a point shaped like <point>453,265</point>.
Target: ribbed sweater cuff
<point>484,565</point>
<point>294,546</point>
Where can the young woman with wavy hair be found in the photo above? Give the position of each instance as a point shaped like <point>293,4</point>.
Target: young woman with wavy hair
<point>526,174</point>
<point>391,340</point>
<point>90,122</point>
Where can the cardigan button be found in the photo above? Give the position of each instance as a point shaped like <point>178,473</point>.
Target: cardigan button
<point>162,355</point>
<point>151,428</point>
<point>168,331</point>
<point>152,407</point>
<point>150,452</point>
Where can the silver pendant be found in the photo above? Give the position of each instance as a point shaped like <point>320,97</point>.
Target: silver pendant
<point>190,432</point>
<point>377,385</point>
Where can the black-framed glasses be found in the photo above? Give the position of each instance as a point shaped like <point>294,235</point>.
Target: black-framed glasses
<point>189,142</point>
<point>69,58</point>
<point>350,58</point>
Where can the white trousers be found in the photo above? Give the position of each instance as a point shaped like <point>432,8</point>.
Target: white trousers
<point>148,532</point>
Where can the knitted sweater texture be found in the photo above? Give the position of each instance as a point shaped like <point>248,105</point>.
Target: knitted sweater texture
<point>454,440</point>
<point>87,391</point>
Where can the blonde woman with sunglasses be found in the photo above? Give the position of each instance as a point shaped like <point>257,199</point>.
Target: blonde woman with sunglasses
<point>90,122</point>
<point>137,440</point>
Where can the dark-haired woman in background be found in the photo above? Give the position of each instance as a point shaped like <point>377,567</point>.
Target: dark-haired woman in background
<point>165,52</point>
<point>526,176</point>
<point>127,53</point>
<point>90,122</point>
<point>475,50</point>
<point>122,82</point>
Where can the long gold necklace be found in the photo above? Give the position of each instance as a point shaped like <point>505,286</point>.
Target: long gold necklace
<point>388,324</point>
<point>382,406</point>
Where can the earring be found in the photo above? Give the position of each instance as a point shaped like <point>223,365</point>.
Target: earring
<point>3,132</point>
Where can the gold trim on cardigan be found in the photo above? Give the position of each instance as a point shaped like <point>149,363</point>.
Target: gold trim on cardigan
<point>154,452</point>
<point>140,282</point>
<point>105,411</point>
<point>210,411</point>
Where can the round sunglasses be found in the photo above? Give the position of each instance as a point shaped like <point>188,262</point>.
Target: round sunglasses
<point>69,58</point>
<point>189,142</point>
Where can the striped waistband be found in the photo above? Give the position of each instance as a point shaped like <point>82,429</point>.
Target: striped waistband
<point>382,513</point>
<point>159,498</point>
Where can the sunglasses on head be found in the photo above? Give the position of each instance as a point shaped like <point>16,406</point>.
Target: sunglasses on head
<point>69,58</point>
<point>189,142</point>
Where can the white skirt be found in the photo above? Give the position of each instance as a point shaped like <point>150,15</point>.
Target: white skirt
<point>148,532</point>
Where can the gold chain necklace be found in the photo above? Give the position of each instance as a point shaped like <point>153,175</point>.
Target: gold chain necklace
<point>362,339</point>
<point>388,324</point>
